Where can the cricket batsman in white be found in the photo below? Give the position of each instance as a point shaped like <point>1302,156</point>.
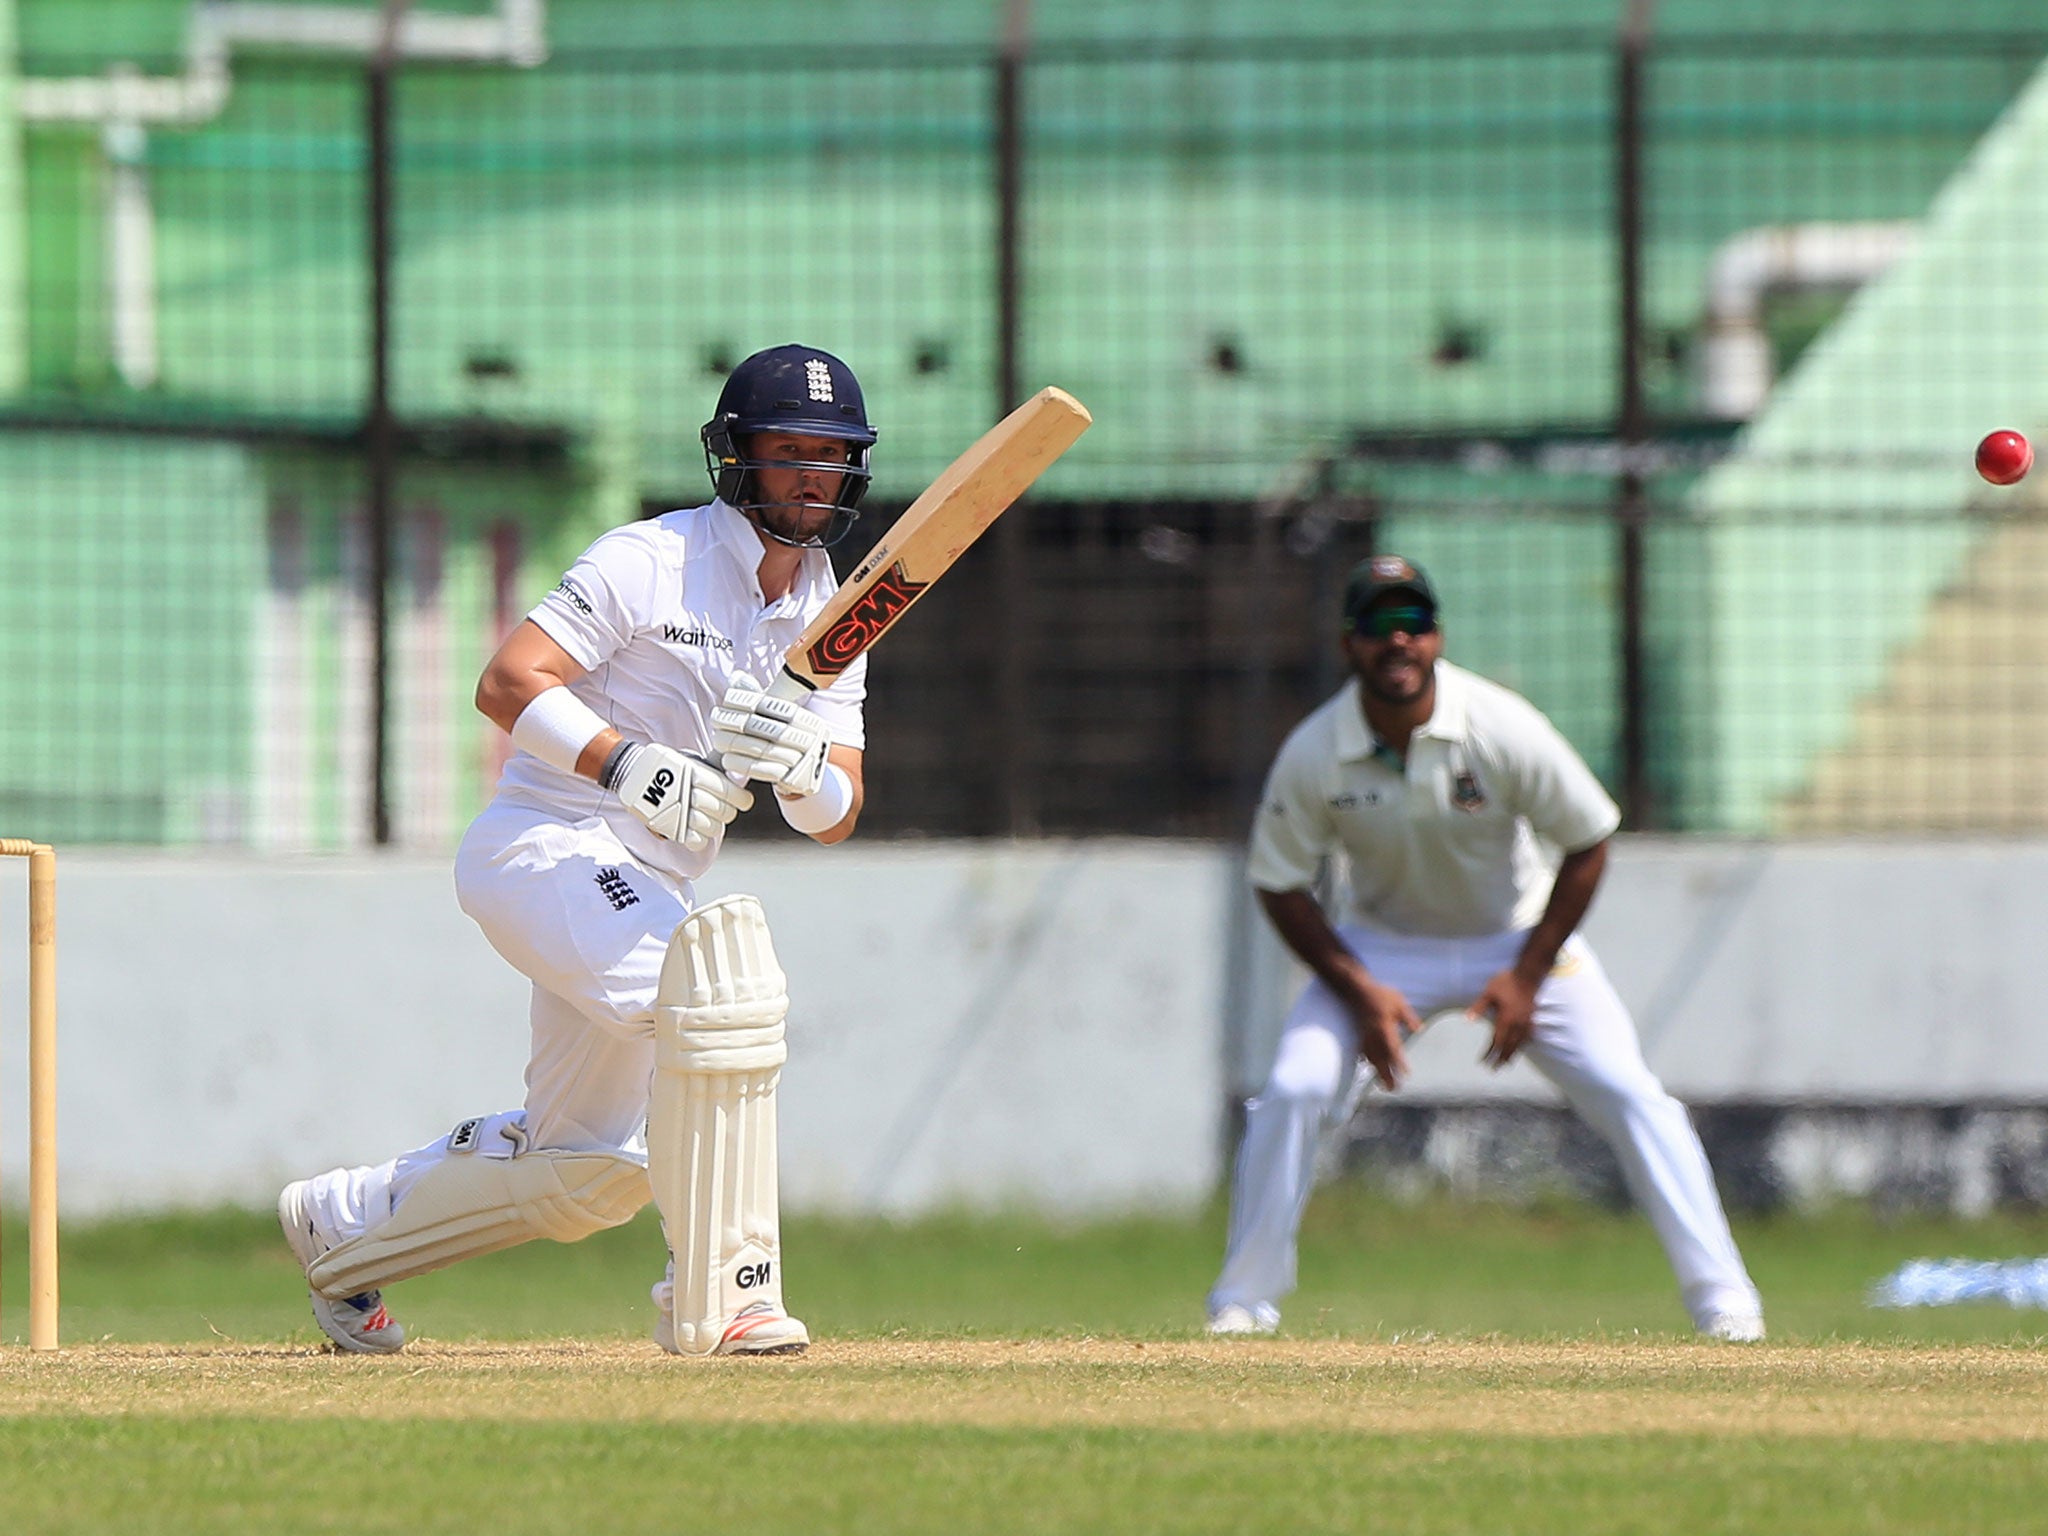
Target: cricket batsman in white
<point>637,725</point>
<point>1475,837</point>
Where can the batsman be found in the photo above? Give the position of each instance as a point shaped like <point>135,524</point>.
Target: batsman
<point>638,725</point>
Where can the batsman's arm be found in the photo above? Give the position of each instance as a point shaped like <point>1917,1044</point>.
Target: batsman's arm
<point>528,664</point>
<point>764,737</point>
<point>848,761</point>
<point>677,795</point>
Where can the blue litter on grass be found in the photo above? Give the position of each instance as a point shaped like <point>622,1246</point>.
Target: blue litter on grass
<point>1943,1282</point>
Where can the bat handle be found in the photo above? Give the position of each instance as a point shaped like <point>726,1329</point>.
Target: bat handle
<point>788,685</point>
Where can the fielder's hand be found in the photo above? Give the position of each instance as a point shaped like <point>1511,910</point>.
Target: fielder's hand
<point>680,797</point>
<point>774,740</point>
<point>1385,1020</point>
<point>1509,1003</point>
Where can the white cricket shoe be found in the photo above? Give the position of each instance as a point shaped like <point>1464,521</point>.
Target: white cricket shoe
<point>1733,1327</point>
<point>357,1324</point>
<point>755,1330</point>
<point>1230,1318</point>
<point>761,1330</point>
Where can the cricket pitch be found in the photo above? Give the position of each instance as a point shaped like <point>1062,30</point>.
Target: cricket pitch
<point>1564,1389</point>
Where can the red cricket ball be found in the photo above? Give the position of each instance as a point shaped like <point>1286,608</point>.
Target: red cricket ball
<point>2004,458</point>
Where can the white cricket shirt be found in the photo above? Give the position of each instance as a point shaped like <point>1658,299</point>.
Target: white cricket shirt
<point>1446,844</point>
<point>660,614</point>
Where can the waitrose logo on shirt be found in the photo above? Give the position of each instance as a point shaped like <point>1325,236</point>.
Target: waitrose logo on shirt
<point>677,634</point>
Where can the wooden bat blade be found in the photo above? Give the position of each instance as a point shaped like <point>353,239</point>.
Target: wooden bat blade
<point>936,530</point>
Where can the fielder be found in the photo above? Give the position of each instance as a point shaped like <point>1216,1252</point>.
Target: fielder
<point>1438,785</point>
<point>637,724</point>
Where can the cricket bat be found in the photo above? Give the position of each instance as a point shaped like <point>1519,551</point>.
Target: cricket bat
<point>954,511</point>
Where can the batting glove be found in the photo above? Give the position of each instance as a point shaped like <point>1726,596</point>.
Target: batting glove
<point>774,740</point>
<point>680,797</point>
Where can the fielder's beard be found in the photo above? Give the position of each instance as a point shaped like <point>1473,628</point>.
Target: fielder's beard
<point>1379,680</point>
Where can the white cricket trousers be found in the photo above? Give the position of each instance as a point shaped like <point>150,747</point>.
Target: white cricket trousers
<point>1584,1042</point>
<point>568,905</point>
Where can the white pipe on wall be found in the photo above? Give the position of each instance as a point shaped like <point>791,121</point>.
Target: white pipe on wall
<point>124,103</point>
<point>516,33</point>
<point>13,224</point>
<point>1736,372</point>
<point>130,228</point>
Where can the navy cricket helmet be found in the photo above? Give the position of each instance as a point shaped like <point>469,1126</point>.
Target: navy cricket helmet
<point>789,389</point>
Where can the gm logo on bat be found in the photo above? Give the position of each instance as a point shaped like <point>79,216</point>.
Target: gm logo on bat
<point>863,623</point>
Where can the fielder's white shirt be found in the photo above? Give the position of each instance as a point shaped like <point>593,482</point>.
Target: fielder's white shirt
<point>1449,843</point>
<point>660,614</point>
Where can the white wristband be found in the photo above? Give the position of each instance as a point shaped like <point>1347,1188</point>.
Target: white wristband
<point>555,727</point>
<point>826,809</point>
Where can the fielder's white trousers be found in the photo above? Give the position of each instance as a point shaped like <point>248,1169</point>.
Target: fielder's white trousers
<point>1584,1042</point>
<point>568,905</point>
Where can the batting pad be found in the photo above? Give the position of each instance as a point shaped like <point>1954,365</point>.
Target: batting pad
<point>718,1054</point>
<point>468,1204</point>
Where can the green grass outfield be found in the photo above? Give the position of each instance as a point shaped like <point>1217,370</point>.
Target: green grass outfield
<point>1444,1368</point>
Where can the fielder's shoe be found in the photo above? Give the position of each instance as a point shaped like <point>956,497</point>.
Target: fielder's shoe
<point>1732,1327</point>
<point>1230,1318</point>
<point>755,1330</point>
<point>358,1324</point>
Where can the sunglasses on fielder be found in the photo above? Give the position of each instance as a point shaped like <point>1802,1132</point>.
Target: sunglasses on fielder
<point>1380,623</point>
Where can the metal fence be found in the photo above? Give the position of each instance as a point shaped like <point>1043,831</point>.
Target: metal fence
<point>1665,357</point>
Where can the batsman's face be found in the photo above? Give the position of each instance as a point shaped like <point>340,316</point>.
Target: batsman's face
<point>796,479</point>
<point>1394,649</point>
